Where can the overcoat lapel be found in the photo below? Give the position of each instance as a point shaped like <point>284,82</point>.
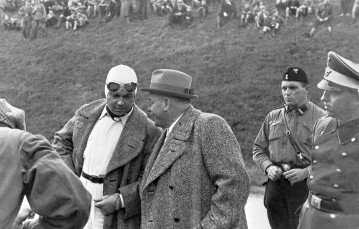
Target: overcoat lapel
<point>84,126</point>
<point>130,143</point>
<point>173,147</point>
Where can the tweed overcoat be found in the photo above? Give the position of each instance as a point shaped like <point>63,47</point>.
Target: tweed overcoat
<point>197,179</point>
<point>334,176</point>
<point>127,163</point>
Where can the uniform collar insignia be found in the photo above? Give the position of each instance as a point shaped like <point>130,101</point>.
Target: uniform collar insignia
<point>347,131</point>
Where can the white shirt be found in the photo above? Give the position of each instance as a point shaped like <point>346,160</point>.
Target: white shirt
<point>99,149</point>
<point>172,125</point>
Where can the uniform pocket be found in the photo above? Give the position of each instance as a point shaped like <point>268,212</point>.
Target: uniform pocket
<point>276,130</point>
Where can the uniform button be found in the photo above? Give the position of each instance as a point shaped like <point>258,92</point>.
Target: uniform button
<point>334,200</point>
<point>315,162</point>
<point>316,147</point>
<point>332,216</point>
<point>339,170</point>
<point>311,177</point>
<point>353,139</point>
<point>336,186</point>
<point>344,154</point>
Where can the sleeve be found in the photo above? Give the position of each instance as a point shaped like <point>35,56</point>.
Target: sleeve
<point>63,143</point>
<point>260,146</point>
<point>224,163</point>
<point>130,193</point>
<point>53,191</point>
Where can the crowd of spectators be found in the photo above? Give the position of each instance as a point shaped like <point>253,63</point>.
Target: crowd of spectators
<point>74,14</point>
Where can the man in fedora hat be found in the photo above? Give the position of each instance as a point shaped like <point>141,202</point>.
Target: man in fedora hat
<point>107,144</point>
<point>195,176</point>
<point>333,183</point>
<point>282,150</point>
<point>30,167</point>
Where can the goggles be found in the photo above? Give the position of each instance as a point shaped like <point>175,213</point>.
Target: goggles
<point>116,87</point>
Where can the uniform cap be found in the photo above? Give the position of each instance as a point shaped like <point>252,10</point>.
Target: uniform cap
<point>340,71</point>
<point>295,74</point>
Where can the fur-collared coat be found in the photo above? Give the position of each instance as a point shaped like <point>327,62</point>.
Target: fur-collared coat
<point>127,163</point>
<point>197,179</point>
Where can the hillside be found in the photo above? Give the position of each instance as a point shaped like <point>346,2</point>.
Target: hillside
<point>236,71</point>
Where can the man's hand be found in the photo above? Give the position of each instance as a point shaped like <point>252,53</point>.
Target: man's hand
<point>296,175</point>
<point>274,172</point>
<point>107,204</point>
<point>23,214</point>
<point>32,224</point>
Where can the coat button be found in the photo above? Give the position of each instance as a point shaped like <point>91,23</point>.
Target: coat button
<point>336,186</point>
<point>332,216</point>
<point>311,177</point>
<point>339,170</point>
<point>353,139</point>
<point>334,200</point>
<point>344,154</point>
<point>315,162</point>
<point>316,147</point>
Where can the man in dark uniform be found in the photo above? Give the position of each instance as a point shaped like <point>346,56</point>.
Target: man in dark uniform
<point>333,201</point>
<point>282,150</point>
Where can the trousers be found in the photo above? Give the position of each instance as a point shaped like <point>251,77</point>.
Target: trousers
<point>283,202</point>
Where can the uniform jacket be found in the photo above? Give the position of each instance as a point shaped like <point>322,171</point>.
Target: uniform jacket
<point>273,145</point>
<point>127,162</point>
<point>197,179</point>
<point>334,176</point>
<point>29,166</point>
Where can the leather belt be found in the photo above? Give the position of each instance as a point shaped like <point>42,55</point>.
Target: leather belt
<point>324,205</point>
<point>93,179</point>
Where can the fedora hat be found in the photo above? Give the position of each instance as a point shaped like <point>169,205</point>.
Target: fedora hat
<point>171,82</point>
<point>340,72</point>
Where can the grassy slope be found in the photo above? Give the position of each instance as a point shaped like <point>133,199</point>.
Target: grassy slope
<point>237,72</point>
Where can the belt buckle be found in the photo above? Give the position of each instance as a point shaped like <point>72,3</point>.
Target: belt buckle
<point>286,167</point>
<point>315,201</point>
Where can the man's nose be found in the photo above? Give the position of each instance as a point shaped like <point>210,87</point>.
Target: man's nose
<point>120,101</point>
<point>325,96</point>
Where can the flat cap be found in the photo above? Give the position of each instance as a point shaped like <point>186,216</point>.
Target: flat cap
<point>295,74</point>
<point>340,72</point>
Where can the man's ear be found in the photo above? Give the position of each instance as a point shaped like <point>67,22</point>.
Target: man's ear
<point>167,104</point>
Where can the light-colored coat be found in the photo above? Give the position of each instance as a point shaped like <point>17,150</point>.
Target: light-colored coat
<point>127,163</point>
<point>197,179</point>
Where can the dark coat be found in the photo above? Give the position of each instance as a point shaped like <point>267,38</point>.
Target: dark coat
<point>127,163</point>
<point>197,179</point>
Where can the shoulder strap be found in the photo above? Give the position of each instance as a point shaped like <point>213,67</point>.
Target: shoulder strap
<point>293,142</point>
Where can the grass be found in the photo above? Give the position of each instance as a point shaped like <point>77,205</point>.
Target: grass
<point>236,71</point>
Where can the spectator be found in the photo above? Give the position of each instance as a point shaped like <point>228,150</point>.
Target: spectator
<point>203,9</point>
<point>103,7</point>
<point>247,15</point>
<point>305,9</point>
<point>26,13</point>
<point>30,167</point>
<point>323,17</point>
<point>142,9</point>
<point>39,19</point>
<point>292,8</point>
<point>179,13</point>
<point>51,19</point>
<point>126,9</point>
<point>345,6</point>
<point>281,6</point>
<point>226,12</point>
<point>71,21</point>
<point>92,8</point>
<point>12,23</point>
<point>276,22</point>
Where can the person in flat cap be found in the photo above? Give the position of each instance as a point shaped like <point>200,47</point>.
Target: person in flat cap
<point>195,176</point>
<point>282,150</point>
<point>30,167</point>
<point>333,201</point>
<point>107,143</point>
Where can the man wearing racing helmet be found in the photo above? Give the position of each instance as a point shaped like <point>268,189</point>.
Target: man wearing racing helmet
<point>107,144</point>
